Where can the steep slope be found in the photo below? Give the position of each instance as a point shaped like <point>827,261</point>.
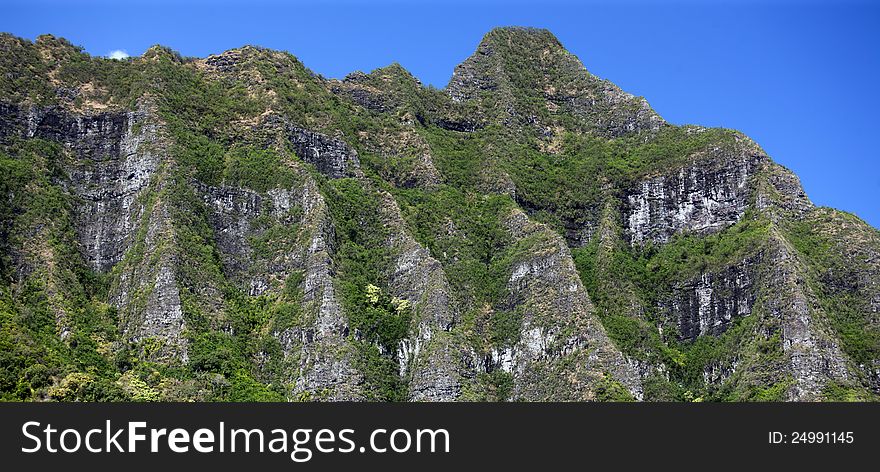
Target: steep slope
<point>240,228</point>
<point>524,78</point>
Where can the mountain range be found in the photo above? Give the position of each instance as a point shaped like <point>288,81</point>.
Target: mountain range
<point>239,228</point>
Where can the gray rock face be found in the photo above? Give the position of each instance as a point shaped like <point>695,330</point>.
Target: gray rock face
<point>617,113</point>
<point>326,363</point>
<point>436,370</point>
<point>356,86</point>
<point>145,287</point>
<point>812,351</point>
<point>326,359</point>
<point>240,218</point>
<point>163,315</point>
<point>854,278</point>
<point>232,212</point>
<point>96,137</point>
<point>427,355</point>
<point>109,190</point>
<point>115,156</point>
<point>302,242</point>
<point>704,197</point>
<point>708,304</point>
<point>318,346</point>
<point>783,192</point>
<point>13,122</point>
<point>563,350</point>
<point>183,258</point>
<point>226,62</point>
<point>332,157</point>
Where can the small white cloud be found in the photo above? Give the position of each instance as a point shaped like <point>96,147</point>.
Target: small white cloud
<point>118,54</point>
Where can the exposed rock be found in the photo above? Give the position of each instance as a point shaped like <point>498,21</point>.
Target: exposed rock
<point>13,122</point>
<point>845,267</point>
<point>703,197</point>
<point>232,212</point>
<point>357,87</point>
<point>115,154</point>
<point>563,351</point>
<point>783,191</point>
<point>811,348</point>
<point>115,157</point>
<point>436,374</point>
<point>332,157</point>
<point>419,278</point>
<point>225,62</point>
<point>499,311</point>
<point>708,304</point>
<point>240,217</point>
<point>145,286</point>
<point>326,358</point>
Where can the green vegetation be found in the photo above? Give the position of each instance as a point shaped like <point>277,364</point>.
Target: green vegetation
<point>833,274</point>
<point>616,276</point>
<point>379,321</point>
<point>531,144</point>
<point>463,231</point>
<point>23,71</point>
<point>610,390</point>
<point>56,334</point>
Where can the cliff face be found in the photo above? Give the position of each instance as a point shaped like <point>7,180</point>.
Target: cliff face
<point>562,351</point>
<point>238,228</point>
<point>708,304</point>
<point>705,196</point>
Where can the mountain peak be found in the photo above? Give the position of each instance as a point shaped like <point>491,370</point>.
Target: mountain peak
<point>525,78</point>
<point>521,36</point>
<point>157,51</point>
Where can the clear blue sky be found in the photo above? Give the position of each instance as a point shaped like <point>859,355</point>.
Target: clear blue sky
<point>801,78</point>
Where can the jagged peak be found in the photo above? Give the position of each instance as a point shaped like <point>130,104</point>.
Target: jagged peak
<point>532,79</point>
<point>512,49</point>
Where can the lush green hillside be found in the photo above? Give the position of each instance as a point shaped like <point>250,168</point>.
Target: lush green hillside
<point>238,228</point>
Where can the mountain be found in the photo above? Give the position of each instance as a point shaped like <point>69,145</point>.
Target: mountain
<point>239,228</point>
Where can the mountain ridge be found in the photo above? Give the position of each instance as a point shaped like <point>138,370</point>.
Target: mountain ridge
<point>237,227</point>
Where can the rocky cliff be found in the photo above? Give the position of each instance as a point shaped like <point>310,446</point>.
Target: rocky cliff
<point>239,228</point>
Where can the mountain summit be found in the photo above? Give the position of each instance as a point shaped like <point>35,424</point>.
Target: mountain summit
<point>523,76</point>
<point>238,228</point>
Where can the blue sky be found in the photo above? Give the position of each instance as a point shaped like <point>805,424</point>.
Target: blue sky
<point>800,77</point>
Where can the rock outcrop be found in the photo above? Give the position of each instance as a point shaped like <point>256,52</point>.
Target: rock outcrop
<point>562,351</point>
<point>331,157</point>
<point>710,194</point>
<point>426,355</point>
<point>708,304</point>
<point>115,154</point>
